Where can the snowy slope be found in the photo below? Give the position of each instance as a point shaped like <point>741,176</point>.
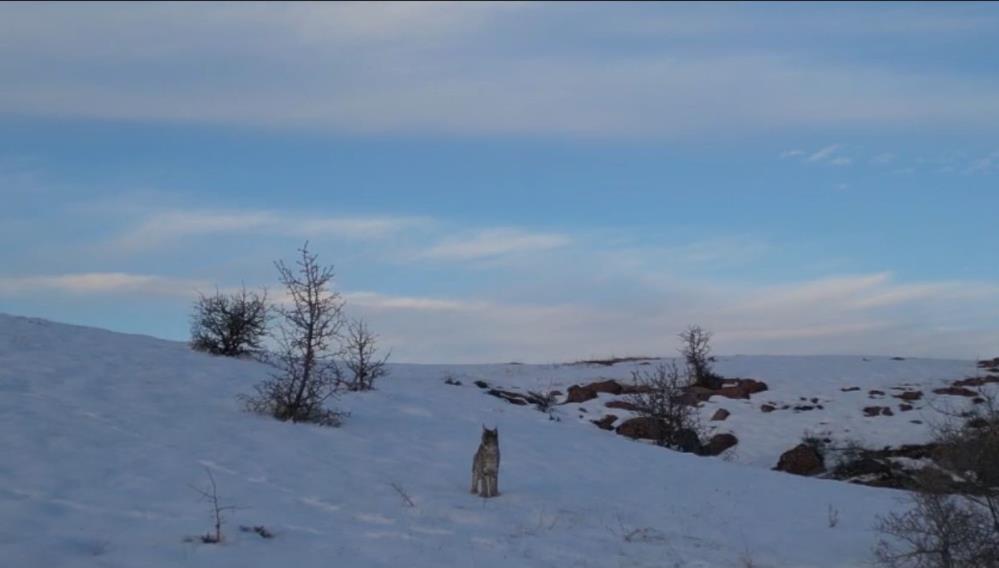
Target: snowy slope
<point>104,435</point>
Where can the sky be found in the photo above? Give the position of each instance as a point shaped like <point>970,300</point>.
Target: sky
<point>531,182</point>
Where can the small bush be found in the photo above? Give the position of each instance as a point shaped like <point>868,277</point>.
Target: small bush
<point>232,325</point>
<point>662,397</point>
<point>360,353</point>
<point>695,347</point>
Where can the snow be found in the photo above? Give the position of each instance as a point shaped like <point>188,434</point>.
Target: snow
<point>106,435</point>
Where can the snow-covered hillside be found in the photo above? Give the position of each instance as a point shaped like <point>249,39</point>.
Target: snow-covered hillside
<point>105,434</point>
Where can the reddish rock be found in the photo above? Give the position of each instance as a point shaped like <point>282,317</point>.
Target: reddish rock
<point>605,423</point>
<point>768,408</point>
<point>721,414</point>
<point>627,388</point>
<point>719,443</point>
<point>956,391</point>
<point>641,428</point>
<point>910,395</point>
<point>579,394</point>
<point>622,404</point>
<point>801,460</point>
<point>976,381</point>
<point>609,386</point>
<point>740,388</point>
<point>878,411</point>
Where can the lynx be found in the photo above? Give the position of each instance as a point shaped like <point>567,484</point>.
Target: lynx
<point>485,466</point>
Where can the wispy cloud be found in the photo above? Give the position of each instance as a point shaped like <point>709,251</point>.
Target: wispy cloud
<point>167,227</point>
<point>99,283</point>
<point>432,68</point>
<point>985,164</point>
<point>491,243</point>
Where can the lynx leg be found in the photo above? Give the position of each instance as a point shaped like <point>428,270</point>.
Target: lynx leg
<point>475,483</point>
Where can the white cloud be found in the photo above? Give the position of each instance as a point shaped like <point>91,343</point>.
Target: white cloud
<point>858,314</point>
<point>492,243</point>
<point>791,154</point>
<point>985,164</point>
<point>97,283</point>
<point>167,227</point>
<point>464,70</point>
<point>883,158</point>
<point>823,154</point>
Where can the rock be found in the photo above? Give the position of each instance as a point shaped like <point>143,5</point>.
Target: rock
<point>686,441</point>
<point>801,460</point>
<point>768,408</point>
<point>721,414</point>
<point>910,395</point>
<point>609,386</point>
<point>850,389</point>
<point>905,407</point>
<point>976,381</point>
<point>875,392</point>
<point>802,407</point>
<point>583,393</point>
<point>622,404</point>
<point>986,363</point>
<point>605,423</point>
<point>511,397</point>
<point>863,466</point>
<point>740,388</point>
<point>978,400</point>
<point>482,384</point>
<point>627,388</point>
<point>877,411</point>
<point>646,428</point>
<point>642,427</point>
<point>719,443</point>
<point>956,391</point>
<point>579,394</point>
<point>898,358</point>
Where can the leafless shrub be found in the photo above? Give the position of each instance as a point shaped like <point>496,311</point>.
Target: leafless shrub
<point>695,347</point>
<point>360,352</point>
<point>306,370</point>
<point>232,325</point>
<point>403,495</point>
<point>954,519</point>
<point>211,495</point>
<point>661,396</point>
<point>259,530</point>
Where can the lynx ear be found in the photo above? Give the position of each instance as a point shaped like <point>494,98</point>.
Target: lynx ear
<point>484,429</point>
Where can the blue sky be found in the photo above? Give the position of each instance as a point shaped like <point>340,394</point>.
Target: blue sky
<point>532,182</point>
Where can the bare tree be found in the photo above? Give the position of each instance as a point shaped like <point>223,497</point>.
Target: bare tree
<point>695,348</point>
<point>939,531</point>
<point>217,510</point>
<point>360,353</point>
<point>954,519</point>
<point>661,396</point>
<point>308,337</point>
<point>233,325</point>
